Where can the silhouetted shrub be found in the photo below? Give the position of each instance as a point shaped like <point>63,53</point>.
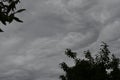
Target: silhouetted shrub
<point>103,66</point>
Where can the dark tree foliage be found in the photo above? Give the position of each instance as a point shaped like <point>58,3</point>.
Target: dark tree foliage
<point>8,11</point>
<point>102,66</point>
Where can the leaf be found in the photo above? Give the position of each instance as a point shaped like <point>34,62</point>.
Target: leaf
<point>71,54</point>
<point>1,30</point>
<point>21,10</point>
<point>17,19</point>
<point>4,22</point>
<point>10,18</point>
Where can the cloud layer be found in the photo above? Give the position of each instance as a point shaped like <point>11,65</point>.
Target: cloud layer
<point>34,49</point>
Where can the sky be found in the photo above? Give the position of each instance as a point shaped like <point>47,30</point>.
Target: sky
<point>33,50</point>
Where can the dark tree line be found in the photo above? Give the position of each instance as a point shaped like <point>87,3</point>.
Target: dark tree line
<point>8,11</point>
<point>102,66</point>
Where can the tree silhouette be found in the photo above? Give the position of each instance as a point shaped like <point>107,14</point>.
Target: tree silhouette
<point>102,66</point>
<point>8,10</point>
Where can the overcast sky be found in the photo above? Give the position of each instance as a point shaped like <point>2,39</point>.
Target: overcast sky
<point>33,50</point>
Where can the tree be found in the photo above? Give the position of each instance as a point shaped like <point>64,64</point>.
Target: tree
<point>102,66</point>
<point>8,11</point>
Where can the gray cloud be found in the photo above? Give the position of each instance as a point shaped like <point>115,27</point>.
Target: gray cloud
<point>34,49</point>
